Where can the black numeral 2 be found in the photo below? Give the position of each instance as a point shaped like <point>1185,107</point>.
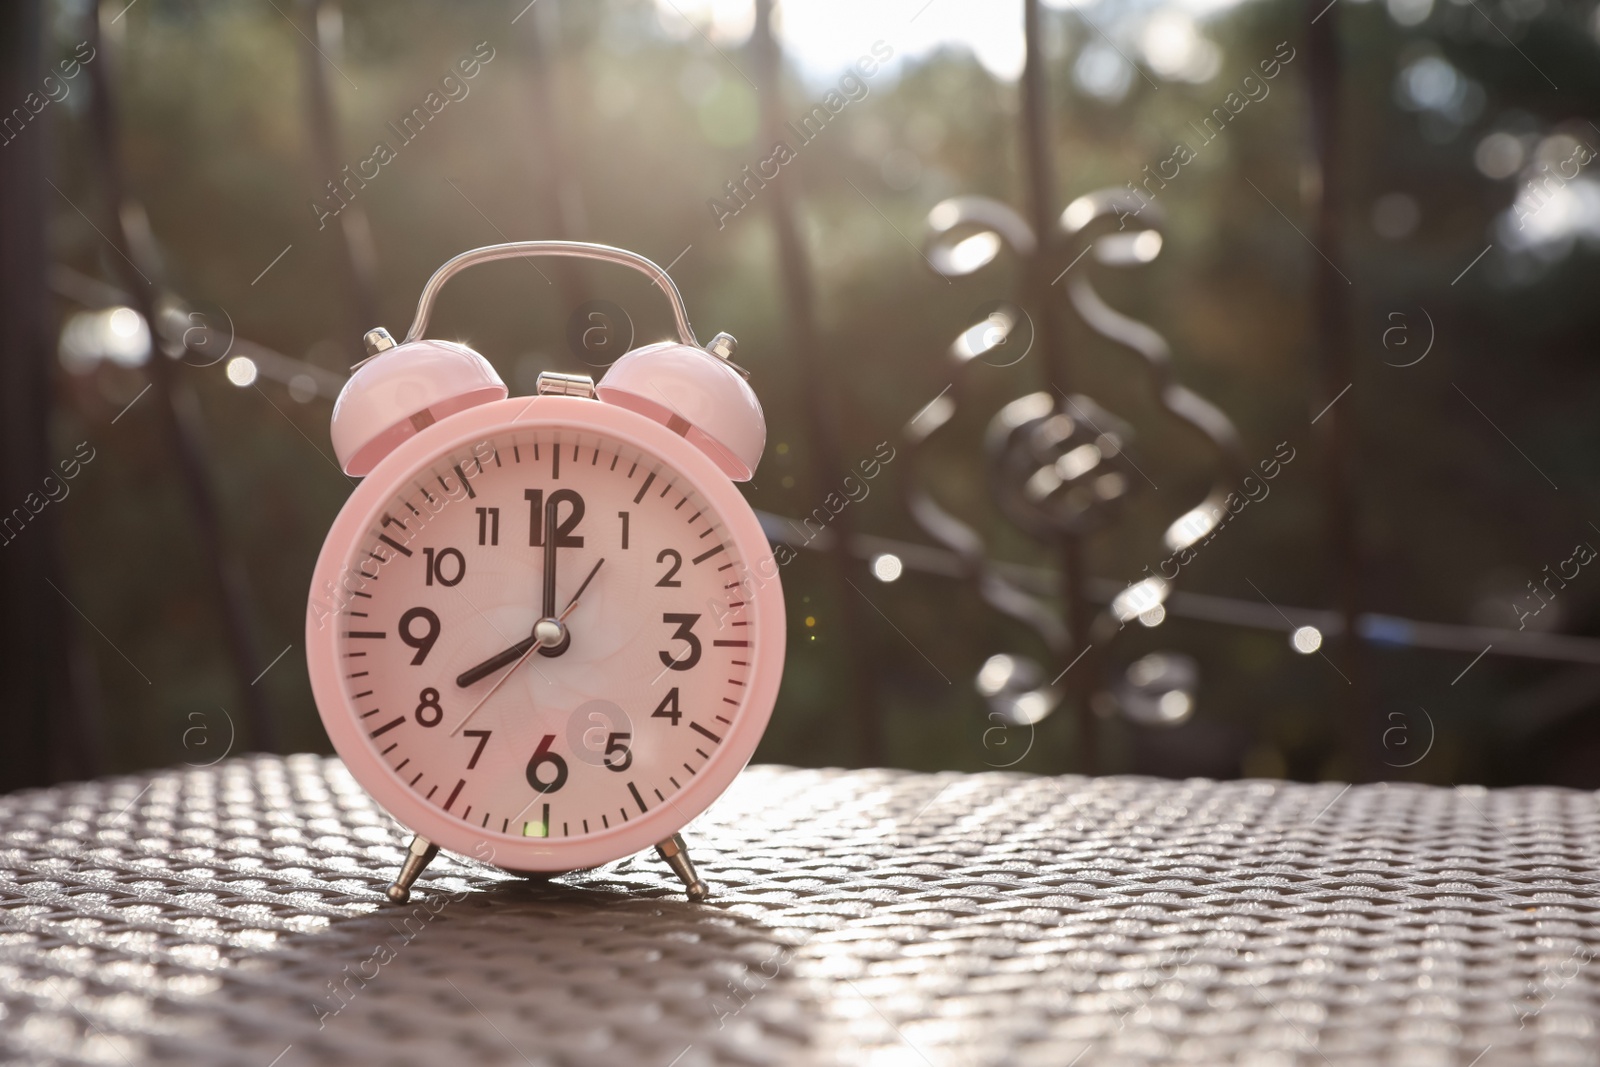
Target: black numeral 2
<point>667,580</point>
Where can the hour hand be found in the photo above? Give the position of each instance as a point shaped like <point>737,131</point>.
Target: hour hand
<point>474,675</point>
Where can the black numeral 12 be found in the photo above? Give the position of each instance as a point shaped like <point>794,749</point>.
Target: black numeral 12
<point>565,538</point>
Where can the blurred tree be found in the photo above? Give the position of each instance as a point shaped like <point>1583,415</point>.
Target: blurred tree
<point>48,734</point>
<point>648,116</point>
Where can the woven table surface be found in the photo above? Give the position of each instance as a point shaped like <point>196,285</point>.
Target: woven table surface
<point>234,915</point>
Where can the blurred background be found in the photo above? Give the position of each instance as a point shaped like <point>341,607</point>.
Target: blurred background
<point>1179,388</point>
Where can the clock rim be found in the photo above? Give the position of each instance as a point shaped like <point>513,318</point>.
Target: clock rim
<point>356,519</point>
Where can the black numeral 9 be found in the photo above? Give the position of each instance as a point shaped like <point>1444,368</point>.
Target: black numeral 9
<point>422,642</point>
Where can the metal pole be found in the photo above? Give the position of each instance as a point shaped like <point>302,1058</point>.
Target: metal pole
<point>564,215</point>
<point>43,722</point>
<point>176,401</point>
<point>560,196</point>
<point>821,385</point>
<point>357,256</point>
<point>1331,340</point>
<point>1039,171</point>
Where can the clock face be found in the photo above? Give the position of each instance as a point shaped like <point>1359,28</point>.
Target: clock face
<point>551,634</point>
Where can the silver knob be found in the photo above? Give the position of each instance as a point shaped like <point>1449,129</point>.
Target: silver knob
<point>377,340</point>
<point>723,346</point>
<point>553,383</point>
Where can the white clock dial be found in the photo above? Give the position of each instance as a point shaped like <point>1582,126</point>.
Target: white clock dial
<point>558,742</point>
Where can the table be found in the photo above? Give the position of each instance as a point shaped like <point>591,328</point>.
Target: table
<point>234,915</point>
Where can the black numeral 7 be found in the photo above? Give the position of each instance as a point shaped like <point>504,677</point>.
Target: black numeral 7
<point>483,739</point>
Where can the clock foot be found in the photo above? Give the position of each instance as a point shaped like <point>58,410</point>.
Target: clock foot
<point>418,856</point>
<point>676,855</point>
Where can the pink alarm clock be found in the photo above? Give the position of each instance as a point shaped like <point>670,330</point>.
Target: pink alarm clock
<point>546,632</point>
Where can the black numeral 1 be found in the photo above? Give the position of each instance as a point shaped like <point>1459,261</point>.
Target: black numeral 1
<point>623,515</point>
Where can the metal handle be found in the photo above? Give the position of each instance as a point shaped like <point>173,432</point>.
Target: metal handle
<point>575,249</point>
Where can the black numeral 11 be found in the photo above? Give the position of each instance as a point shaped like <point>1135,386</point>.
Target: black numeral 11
<point>488,526</point>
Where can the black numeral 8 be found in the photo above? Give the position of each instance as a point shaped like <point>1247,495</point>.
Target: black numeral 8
<point>429,713</point>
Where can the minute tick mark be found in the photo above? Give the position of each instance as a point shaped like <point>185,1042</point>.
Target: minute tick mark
<point>708,553</point>
<point>386,727</point>
<point>645,487</point>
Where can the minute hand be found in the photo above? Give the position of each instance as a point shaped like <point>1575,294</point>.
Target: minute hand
<point>550,540</point>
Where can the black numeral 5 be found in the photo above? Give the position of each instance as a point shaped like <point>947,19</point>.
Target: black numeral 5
<point>617,744</point>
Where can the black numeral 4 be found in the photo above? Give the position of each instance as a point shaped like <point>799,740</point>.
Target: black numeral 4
<point>668,708</point>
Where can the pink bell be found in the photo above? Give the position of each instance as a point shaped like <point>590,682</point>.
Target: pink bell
<point>694,393</point>
<point>409,388</point>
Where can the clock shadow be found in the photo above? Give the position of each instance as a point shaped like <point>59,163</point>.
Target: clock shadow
<point>579,969</point>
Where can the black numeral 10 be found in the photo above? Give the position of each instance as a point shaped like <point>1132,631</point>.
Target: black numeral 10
<point>447,566</point>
